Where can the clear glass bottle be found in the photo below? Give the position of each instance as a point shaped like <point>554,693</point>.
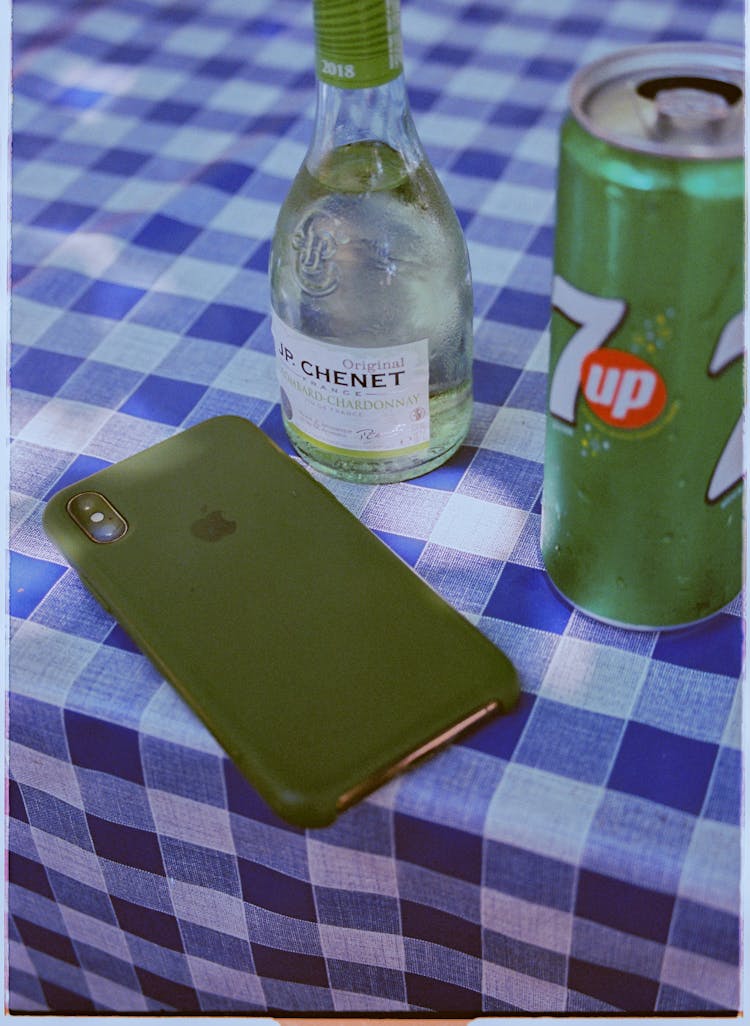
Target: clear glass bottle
<point>371,293</point>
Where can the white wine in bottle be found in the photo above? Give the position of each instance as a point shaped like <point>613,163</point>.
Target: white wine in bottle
<point>371,293</point>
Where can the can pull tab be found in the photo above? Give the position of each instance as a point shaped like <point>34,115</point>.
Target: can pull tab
<point>690,107</point>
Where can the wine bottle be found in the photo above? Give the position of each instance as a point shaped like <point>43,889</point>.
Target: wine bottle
<point>371,292</point>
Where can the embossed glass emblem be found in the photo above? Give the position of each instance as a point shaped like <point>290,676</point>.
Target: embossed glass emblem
<point>315,246</point>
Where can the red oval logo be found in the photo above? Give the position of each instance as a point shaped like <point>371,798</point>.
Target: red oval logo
<point>622,389</point>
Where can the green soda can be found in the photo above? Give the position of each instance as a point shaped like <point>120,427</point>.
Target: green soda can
<point>642,519</point>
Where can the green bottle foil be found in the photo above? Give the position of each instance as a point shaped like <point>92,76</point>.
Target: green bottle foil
<point>358,42</point>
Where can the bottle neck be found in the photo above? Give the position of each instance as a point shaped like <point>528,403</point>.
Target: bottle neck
<point>361,91</point>
<point>377,113</point>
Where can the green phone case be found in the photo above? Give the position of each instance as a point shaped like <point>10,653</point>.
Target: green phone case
<point>318,659</point>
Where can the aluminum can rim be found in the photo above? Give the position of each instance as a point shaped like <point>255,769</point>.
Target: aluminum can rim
<point>722,61</point>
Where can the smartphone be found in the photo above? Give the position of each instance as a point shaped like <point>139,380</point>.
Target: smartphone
<point>319,660</point>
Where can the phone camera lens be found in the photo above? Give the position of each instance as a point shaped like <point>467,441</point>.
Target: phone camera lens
<point>97,517</point>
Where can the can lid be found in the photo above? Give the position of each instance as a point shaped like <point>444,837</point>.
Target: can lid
<point>670,99</point>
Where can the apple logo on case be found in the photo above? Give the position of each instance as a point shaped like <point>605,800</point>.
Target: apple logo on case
<point>213,526</point>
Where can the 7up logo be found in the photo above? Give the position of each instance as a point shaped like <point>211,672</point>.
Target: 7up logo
<point>620,388</point>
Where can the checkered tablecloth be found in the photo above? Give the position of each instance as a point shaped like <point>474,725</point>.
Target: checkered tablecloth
<point>579,855</point>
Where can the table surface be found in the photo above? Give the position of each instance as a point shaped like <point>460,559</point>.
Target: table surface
<point>581,854</point>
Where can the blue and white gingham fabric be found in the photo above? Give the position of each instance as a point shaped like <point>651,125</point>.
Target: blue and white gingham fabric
<point>579,855</point>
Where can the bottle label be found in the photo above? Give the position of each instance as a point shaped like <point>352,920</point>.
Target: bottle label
<point>357,42</point>
<point>373,400</point>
